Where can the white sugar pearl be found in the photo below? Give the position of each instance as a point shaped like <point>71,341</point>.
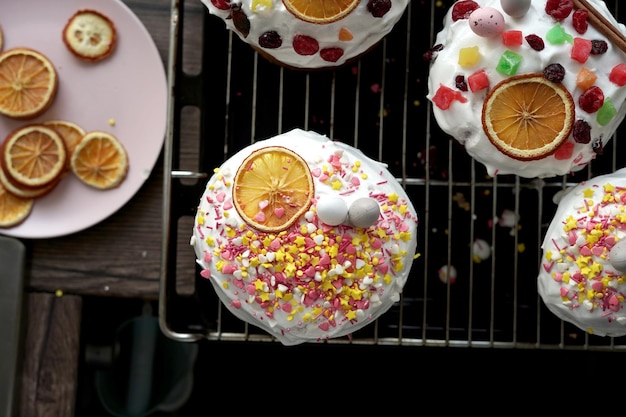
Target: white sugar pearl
<point>332,210</point>
<point>617,256</point>
<point>363,212</point>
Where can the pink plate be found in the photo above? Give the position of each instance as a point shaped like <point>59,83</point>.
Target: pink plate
<point>128,88</point>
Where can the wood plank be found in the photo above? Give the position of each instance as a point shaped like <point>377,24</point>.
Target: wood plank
<point>50,368</point>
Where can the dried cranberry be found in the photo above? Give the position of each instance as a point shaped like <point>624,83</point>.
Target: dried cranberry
<point>554,72</point>
<point>581,131</point>
<point>535,42</point>
<point>591,99</point>
<point>598,47</point>
<point>559,9</point>
<point>221,4</point>
<point>460,82</point>
<point>270,40</point>
<point>462,9</point>
<point>428,55</point>
<point>378,8</point>
<point>597,146</point>
<point>305,45</point>
<point>579,20</point>
<point>331,54</point>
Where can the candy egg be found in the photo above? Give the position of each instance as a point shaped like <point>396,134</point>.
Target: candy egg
<point>515,8</point>
<point>332,210</point>
<point>363,212</point>
<point>486,22</point>
<point>446,275</point>
<point>617,256</point>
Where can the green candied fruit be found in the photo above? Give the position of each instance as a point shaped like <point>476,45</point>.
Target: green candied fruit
<point>558,36</point>
<point>606,112</point>
<point>509,63</point>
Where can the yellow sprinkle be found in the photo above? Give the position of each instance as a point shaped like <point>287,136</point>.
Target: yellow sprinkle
<point>111,122</point>
<point>58,293</point>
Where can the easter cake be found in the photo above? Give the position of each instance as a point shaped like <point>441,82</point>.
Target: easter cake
<point>583,264</point>
<point>532,88</point>
<point>309,34</point>
<point>305,237</point>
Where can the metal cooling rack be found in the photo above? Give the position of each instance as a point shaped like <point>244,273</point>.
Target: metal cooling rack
<point>224,96</point>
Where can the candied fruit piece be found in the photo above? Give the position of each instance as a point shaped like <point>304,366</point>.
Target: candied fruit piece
<point>378,8</point>
<point>221,4</point>
<point>591,99</point>
<point>579,20</point>
<point>305,45</point>
<point>445,96</point>
<point>558,36</point>
<point>585,78</point>
<point>509,63</point>
<point>468,57</point>
<point>345,35</point>
<point>618,74</point>
<point>606,112</point>
<point>535,42</point>
<point>462,9</point>
<point>331,54</point>
<point>554,72</point>
<point>261,5</point>
<point>565,151</point>
<point>559,9</point>
<point>512,37</point>
<point>478,81</point>
<point>270,40</point>
<point>581,50</point>
<point>581,131</point>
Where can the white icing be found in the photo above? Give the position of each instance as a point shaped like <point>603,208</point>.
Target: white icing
<point>366,30</point>
<point>359,276</point>
<point>463,120</point>
<point>571,233</point>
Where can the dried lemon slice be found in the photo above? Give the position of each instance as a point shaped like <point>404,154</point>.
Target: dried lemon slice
<point>28,83</point>
<point>528,117</point>
<point>320,11</point>
<point>13,210</point>
<point>90,35</point>
<point>33,156</point>
<point>71,134</point>
<point>100,160</point>
<point>273,187</point>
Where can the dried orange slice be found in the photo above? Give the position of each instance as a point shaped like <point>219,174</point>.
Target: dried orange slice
<point>1,39</point>
<point>28,83</point>
<point>26,192</point>
<point>273,187</point>
<point>13,210</point>
<point>320,11</point>
<point>71,134</point>
<point>100,160</point>
<point>527,117</point>
<point>90,35</point>
<point>33,156</point>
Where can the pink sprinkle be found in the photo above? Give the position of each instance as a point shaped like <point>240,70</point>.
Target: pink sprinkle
<point>286,308</point>
<point>263,204</point>
<point>596,285</point>
<point>325,260</point>
<point>228,205</point>
<point>572,237</point>
<point>355,181</point>
<point>229,269</point>
<point>279,212</point>
<point>205,273</point>
<point>250,289</point>
<point>236,304</point>
<point>238,283</point>
<point>564,292</point>
<point>208,257</point>
<point>260,217</point>
<point>558,277</point>
<point>316,172</point>
<point>227,255</point>
<point>614,303</point>
<point>221,196</point>
<point>324,326</point>
<point>383,268</point>
<point>597,250</point>
<point>548,267</point>
<point>585,251</point>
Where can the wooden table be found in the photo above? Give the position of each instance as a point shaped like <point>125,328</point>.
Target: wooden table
<point>119,257</point>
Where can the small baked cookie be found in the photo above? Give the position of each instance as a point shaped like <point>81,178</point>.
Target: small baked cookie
<point>90,35</point>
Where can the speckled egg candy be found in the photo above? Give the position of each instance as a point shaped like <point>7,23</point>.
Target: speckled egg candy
<point>617,256</point>
<point>515,8</point>
<point>486,22</point>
